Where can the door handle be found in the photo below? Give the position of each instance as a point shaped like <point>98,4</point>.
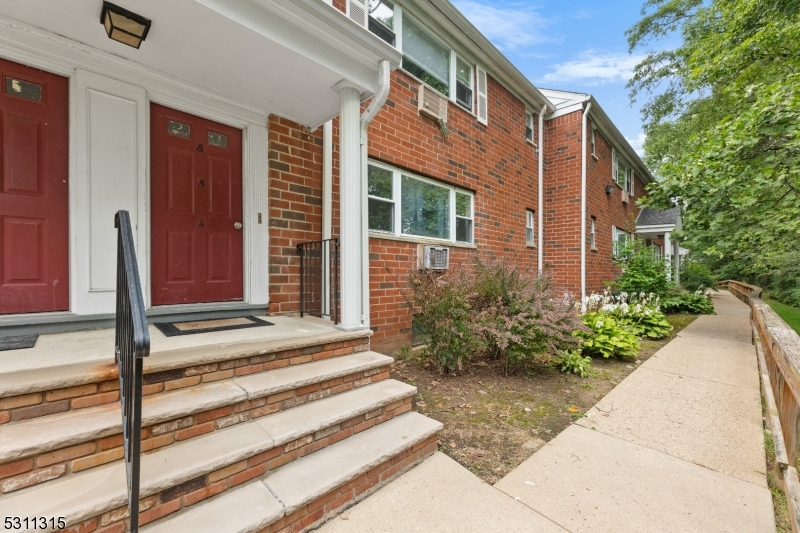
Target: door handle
<point>237,225</point>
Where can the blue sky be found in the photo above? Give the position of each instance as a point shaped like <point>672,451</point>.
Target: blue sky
<point>575,45</point>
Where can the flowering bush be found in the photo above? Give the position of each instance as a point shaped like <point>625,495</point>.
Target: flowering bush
<point>520,316</point>
<point>639,312</point>
<point>493,308</point>
<point>607,337</point>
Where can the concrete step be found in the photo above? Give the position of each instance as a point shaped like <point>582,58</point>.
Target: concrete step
<point>55,432</point>
<point>314,488</point>
<point>206,465</point>
<point>76,370</point>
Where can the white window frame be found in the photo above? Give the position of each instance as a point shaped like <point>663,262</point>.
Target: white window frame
<point>399,16</point>
<point>594,143</point>
<point>398,206</point>
<point>615,235</point>
<point>629,173</point>
<point>529,122</point>
<point>530,227</point>
<point>593,233</point>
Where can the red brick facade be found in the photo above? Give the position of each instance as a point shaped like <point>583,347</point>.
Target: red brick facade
<point>494,161</point>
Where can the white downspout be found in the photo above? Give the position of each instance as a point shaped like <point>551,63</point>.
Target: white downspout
<point>327,205</point>
<point>540,237</point>
<point>372,110</point>
<point>584,121</point>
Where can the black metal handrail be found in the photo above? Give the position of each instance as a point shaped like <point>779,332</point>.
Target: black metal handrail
<point>132,344</point>
<point>319,278</point>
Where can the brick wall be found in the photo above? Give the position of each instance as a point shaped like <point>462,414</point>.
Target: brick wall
<point>563,205</point>
<point>608,211</point>
<point>495,161</point>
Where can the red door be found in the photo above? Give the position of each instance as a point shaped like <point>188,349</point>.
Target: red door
<point>34,234</point>
<point>196,203</point>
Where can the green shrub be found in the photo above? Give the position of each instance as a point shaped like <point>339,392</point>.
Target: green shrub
<point>442,312</point>
<point>607,337</point>
<point>784,282</point>
<point>641,270</point>
<point>494,308</point>
<point>639,313</point>
<point>573,362</point>
<point>695,303</point>
<point>695,276</point>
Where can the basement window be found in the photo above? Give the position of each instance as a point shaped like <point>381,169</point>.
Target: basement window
<point>401,203</point>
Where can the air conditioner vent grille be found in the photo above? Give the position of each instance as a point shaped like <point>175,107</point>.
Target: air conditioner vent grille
<point>437,257</point>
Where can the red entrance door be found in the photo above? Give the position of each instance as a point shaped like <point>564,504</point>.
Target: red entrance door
<point>34,238</point>
<point>196,203</point>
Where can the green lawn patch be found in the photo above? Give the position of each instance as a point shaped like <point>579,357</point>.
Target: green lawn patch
<point>790,314</point>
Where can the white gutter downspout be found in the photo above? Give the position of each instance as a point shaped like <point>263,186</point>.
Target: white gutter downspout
<point>327,204</point>
<point>584,121</point>
<point>540,238</point>
<point>372,110</point>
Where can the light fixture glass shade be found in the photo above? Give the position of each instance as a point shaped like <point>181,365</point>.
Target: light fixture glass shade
<point>124,26</point>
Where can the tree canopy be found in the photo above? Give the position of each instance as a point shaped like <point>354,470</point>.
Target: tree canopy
<point>723,123</point>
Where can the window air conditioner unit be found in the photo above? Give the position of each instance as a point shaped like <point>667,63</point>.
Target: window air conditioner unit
<point>433,105</point>
<point>626,197</point>
<point>437,257</point>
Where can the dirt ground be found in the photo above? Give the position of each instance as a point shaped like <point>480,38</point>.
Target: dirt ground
<point>492,423</point>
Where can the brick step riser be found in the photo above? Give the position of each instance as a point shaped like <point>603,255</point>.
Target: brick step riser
<point>41,468</point>
<point>196,490</point>
<point>44,403</point>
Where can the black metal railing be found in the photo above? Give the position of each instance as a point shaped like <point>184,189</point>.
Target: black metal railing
<point>319,278</point>
<point>132,344</point>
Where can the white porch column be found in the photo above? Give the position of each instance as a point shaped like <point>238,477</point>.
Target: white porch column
<point>350,204</point>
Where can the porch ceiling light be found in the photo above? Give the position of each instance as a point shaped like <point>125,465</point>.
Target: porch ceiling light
<point>123,25</point>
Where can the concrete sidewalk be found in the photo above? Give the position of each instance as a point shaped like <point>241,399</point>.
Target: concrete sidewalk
<point>676,447</point>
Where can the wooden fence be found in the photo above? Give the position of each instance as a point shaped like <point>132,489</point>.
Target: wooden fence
<point>778,351</point>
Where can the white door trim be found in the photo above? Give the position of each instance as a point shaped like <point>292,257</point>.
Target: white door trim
<point>40,49</point>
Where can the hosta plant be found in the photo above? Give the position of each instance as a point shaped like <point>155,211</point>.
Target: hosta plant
<point>573,362</point>
<point>607,338</point>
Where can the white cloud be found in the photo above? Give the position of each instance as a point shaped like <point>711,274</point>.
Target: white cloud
<point>513,29</point>
<point>595,68</point>
<point>638,143</point>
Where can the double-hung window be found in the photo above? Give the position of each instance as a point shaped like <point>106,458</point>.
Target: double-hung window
<point>464,84</point>
<point>529,126</point>
<point>429,59</point>
<point>381,20</point>
<point>530,239</point>
<point>403,204</point>
<point>623,174</point>
<point>620,241</point>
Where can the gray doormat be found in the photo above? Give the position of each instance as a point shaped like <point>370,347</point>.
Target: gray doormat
<point>18,342</point>
<point>175,329</point>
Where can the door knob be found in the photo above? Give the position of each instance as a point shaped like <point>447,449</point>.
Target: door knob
<point>237,225</point>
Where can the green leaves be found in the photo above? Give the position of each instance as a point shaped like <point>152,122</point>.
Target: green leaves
<point>607,338</point>
<point>723,124</point>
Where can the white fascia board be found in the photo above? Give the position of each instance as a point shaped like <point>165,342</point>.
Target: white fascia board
<point>460,29</point>
<point>661,228</point>
<point>571,108</point>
